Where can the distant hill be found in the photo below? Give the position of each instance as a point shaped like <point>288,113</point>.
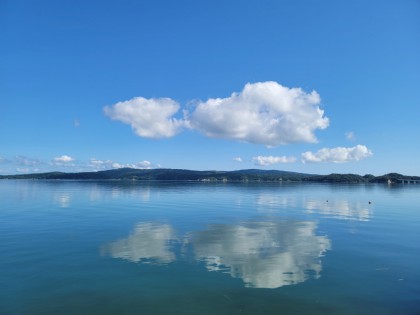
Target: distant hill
<point>191,175</point>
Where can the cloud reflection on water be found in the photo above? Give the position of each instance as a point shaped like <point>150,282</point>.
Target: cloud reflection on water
<point>263,254</point>
<point>148,241</point>
<point>62,199</point>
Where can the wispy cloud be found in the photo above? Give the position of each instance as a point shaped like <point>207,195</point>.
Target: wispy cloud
<point>350,136</point>
<point>4,160</point>
<point>238,159</point>
<point>25,161</point>
<point>271,160</point>
<point>76,123</point>
<point>337,155</point>
<point>262,113</point>
<point>63,159</point>
<point>23,164</point>
<point>108,164</point>
<point>22,169</point>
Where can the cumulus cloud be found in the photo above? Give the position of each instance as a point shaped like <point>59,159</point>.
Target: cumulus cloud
<point>337,155</point>
<point>238,159</point>
<point>270,160</point>
<point>64,159</point>
<point>149,118</point>
<point>262,113</point>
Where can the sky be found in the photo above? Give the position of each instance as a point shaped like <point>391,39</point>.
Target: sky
<point>319,87</point>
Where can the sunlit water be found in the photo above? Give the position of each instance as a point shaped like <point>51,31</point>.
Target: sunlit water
<point>205,248</point>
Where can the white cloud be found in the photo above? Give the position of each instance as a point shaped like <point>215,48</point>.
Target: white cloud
<point>109,164</point>
<point>149,118</point>
<point>238,159</point>
<point>64,159</point>
<point>263,113</point>
<point>20,164</point>
<point>337,155</point>
<point>350,136</point>
<point>138,165</point>
<point>270,160</point>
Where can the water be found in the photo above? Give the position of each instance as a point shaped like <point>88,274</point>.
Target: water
<point>207,248</point>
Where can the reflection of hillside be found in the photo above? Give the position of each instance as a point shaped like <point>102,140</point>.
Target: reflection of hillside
<point>148,241</point>
<point>263,254</point>
<point>340,209</point>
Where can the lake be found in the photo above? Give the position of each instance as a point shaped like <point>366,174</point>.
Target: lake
<point>86,247</point>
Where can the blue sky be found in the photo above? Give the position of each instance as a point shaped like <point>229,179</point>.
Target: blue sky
<point>308,86</point>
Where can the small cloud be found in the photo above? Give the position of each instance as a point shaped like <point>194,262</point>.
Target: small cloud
<point>76,123</point>
<point>99,165</point>
<point>4,160</point>
<point>337,155</point>
<point>238,159</point>
<point>143,164</point>
<point>149,118</point>
<point>350,136</point>
<point>270,160</point>
<point>22,170</point>
<point>138,165</point>
<point>64,159</point>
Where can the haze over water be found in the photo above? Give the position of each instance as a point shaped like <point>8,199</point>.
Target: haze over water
<point>90,247</point>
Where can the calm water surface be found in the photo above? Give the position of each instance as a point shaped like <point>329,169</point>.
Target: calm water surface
<point>205,248</point>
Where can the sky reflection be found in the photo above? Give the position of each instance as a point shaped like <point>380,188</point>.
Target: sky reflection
<point>148,242</point>
<point>340,209</point>
<point>337,208</point>
<point>263,254</point>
